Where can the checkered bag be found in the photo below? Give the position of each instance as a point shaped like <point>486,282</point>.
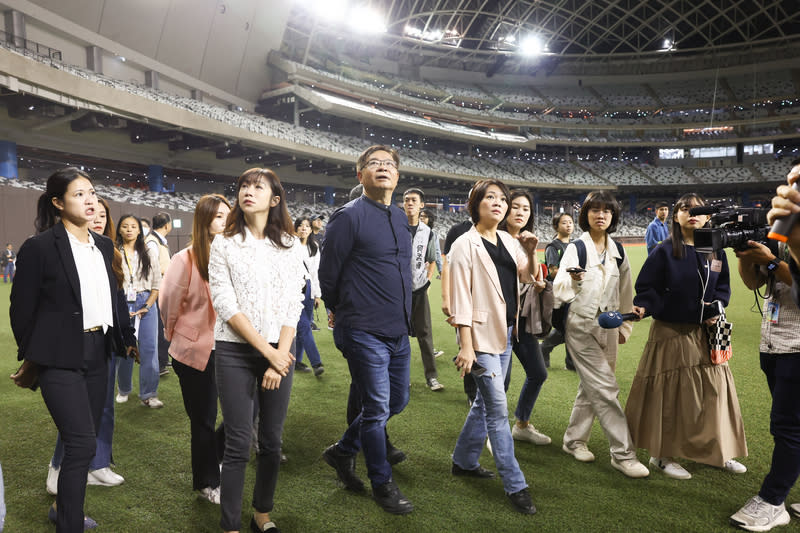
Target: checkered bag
<point>719,340</point>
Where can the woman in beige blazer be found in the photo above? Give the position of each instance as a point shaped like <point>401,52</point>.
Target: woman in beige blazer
<point>486,265</point>
<point>189,318</point>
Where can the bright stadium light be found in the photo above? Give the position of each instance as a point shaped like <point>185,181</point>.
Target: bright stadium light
<point>332,11</point>
<point>531,46</point>
<point>367,20</point>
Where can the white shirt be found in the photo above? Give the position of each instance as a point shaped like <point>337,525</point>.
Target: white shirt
<point>95,292</point>
<point>258,279</point>
<point>312,264</point>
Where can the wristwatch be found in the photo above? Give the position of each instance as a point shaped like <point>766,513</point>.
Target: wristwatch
<point>773,265</point>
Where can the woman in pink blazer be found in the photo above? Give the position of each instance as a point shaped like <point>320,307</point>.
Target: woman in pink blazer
<point>189,318</point>
<point>486,266</point>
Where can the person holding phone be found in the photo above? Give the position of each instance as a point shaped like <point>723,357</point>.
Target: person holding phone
<point>486,267</point>
<point>602,284</point>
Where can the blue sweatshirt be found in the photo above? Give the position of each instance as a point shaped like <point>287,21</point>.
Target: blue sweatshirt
<point>671,289</point>
<point>656,233</point>
<point>365,268</point>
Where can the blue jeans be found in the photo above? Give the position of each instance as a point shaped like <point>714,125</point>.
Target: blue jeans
<point>305,337</point>
<point>530,355</point>
<point>105,432</point>
<point>783,378</point>
<point>8,272</point>
<point>489,414</point>
<point>380,368</point>
<point>148,352</point>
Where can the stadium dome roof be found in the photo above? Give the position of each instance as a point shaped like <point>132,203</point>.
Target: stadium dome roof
<point>513,35</point>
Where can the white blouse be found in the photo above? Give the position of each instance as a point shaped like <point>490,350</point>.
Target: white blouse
<point>259,279</point>
<point>312,264</point>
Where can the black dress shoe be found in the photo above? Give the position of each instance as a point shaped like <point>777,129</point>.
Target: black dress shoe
<point>522,502</point>
<point>479,472</point>
<point>394,455</point>
<point>389,497</point>
<point>270,527</point>
<point>345,466</point>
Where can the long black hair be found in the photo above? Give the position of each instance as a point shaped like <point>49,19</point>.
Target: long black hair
<point>519,193</point>
<point>138,245</point>
<point>57,184</point>
<point>311,242</point>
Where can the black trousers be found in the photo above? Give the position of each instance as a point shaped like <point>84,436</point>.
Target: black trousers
<point>75,399</point>
<point>163,346</point>
<point>199,391</point>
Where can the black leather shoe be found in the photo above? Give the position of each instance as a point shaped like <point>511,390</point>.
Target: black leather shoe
<point>394,455</point>
<point>522,502</point>
<point>345,466</point>
<point>389,497</point>
<point>479,472</point>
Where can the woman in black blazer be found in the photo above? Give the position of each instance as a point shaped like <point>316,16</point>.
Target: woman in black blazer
<point>65,319</point>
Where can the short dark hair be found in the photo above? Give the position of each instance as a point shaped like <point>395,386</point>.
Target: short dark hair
<point>661,204</point>
<point>362,159</point>
<point>418,192</point>
<point>557,219</point>
<point>161,219</point>
<point>477,194</point>
<point>599,200</point>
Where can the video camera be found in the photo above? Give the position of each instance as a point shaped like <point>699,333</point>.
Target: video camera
<point>732,227</point>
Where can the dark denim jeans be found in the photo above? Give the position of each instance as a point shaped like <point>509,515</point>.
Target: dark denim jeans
<point>304,340</point>
<point>783,378</point>
<point>530,355</point>
<point>379,366</point>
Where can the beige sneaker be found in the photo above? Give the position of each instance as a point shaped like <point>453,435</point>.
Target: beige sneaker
<point>579,452</point>
<point>530,434</point>
<point>630,467</point>
<point>153,403</point>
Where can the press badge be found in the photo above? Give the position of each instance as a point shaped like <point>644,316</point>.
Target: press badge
<point>130,294</point>
<point>716,265</point>
<point>772,312</point>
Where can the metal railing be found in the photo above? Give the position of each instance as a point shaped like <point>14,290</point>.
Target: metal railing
<point>31,46</point>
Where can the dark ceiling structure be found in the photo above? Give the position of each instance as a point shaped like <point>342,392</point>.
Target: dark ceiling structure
<point>474,34</point>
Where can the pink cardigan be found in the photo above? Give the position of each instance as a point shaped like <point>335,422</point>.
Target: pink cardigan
<point>476,297</point>
<point>184,302</point>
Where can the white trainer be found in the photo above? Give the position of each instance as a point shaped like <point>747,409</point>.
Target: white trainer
<point>52,479</point>
<point>210,494</point>
<point>489,446</point>
<point>579,452</point>
<point>732,465</point>
<point>530,434</point>
<point>670,468</point>
<point>795,509</point>
<point>153,403</point>
<point>630,467</point>
<point>758,515</point>
<point>122,398</point>
<point>104,477</point>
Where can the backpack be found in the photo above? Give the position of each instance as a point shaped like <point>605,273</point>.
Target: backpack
<point>560,314</point>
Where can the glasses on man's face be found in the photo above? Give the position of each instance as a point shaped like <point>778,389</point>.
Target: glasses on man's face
<point>377,163</point>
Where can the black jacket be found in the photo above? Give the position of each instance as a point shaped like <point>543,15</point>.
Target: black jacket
<point>46,312</point>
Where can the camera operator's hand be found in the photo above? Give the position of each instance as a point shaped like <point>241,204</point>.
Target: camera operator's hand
<point>756,253</point>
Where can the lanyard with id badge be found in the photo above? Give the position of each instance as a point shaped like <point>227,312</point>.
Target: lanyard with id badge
<point>130,292</point>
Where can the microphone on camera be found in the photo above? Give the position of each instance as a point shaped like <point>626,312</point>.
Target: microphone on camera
<point>783,226</point>
<point>704,210</point>
<point>614,319</point>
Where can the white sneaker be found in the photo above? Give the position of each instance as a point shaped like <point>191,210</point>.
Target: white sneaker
<point>579,452</point>
<point>630,467</point>
<point>153,403</point>
<point>52,479</point>
<point>434,384</point>
<point>210,494</point>
<point>732,465</point>
<point>105,477</point>
<point>489,446</point>
<point>670,468</point>
<point>795,509</point>
<point>438,353</point>
<point>758,515</point>
<point>530,434</point>
<point>122,398</point>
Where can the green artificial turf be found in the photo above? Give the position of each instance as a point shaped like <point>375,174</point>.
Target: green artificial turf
<point>151,449</point>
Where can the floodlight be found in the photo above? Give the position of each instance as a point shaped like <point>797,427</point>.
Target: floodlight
<point>366,20</point>
<point>530,46</point>
<point>332,11</point>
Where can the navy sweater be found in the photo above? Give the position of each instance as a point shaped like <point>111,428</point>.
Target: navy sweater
<point>365,268</point>
<point>671,289</point>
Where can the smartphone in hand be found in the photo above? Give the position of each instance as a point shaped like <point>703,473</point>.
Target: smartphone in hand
<point>477,370</point>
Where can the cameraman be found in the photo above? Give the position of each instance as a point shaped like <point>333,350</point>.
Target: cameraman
<point>762,265</point>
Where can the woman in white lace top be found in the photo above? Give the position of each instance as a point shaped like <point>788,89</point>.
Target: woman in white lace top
<point>255,275</point>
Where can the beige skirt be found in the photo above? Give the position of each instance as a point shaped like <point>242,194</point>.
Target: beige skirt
<point>682,405</point>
